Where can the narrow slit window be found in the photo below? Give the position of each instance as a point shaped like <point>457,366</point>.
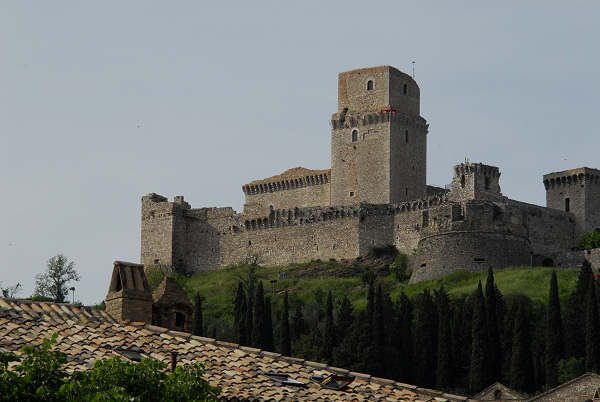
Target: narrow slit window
<point>567,204</point>
<point>405,89</point>
<point>406,136</point>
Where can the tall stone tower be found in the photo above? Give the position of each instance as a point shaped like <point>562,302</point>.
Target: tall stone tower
<point>378,138</point>
<point>576,191</point>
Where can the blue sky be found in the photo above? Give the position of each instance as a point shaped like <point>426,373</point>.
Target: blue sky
<point>103,102</point>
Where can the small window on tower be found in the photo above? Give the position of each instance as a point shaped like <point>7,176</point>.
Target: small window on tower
<point>405,89</point>
<point>351,193</point>
<point>406,136</point>
<point>354,135</point>
<point>567,204</point>
<point>370,85</point>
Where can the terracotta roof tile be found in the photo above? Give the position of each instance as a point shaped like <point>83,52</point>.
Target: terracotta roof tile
<point>87,335</point>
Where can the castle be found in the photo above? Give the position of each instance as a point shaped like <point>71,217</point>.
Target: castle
<point>375,194</point>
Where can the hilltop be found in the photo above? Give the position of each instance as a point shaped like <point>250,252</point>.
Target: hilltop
<point>310,282</point>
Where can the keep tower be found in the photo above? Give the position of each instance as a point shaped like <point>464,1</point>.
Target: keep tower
<point>378,138</point>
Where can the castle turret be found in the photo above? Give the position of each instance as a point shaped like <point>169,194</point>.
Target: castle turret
<point>378,138</point>
<point>163,231</point>
<point>576,191</point>
<point>475,181</point>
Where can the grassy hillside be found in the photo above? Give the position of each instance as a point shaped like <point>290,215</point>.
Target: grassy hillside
<point>310,282</point>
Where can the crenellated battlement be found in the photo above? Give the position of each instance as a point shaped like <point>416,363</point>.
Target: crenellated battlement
<point>572,177</point>
<point>301,179</point>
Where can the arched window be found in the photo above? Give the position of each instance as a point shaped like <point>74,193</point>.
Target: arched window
<point>405,89</point>
<point>354,135</point>
<point>370,85</point>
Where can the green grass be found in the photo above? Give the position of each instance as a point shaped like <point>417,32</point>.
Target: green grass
<point>312,281</point>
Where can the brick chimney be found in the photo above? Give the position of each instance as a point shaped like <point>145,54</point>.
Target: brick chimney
<point>129,296</point>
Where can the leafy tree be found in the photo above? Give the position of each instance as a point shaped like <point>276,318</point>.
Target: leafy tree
<point>554,334</point>
<point>426,340</point>
<point>198,325</point>
<point>444,356</point>
<point>589,240</point>
<point>494,348</point>
<point>10,291</point>
<point>592,332</point>
<point>285,344</point>
<point>521,361</point>
<point>575,314</point>
<point>479,343</point>
<point>329,338</point>
<point>53,282</point>
<point>41,376</point>
<point>258,327</point>
<point>570,368</point>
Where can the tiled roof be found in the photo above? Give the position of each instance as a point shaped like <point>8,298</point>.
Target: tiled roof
<point>86,335</point>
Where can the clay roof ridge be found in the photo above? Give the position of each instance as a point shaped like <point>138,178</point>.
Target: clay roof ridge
<point>564,385</point>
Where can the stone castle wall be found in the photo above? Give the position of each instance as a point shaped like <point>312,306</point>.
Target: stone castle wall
<point>301,192</point>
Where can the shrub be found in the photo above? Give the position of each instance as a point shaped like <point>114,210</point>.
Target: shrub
<point>589,240</point>
<point>400,269</point>
<point>155,275</point>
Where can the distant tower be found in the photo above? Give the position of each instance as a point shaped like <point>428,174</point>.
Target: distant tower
<point>475,181</point>
<point>378,138</point>
<point>576,191</point>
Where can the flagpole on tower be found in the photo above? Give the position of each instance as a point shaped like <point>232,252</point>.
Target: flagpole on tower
<point>413,63</point>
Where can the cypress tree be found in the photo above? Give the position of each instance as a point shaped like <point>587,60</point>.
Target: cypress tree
<point>198,325</point>
<point>268,337</point>
<point>285,344</point>
<point>592,332</point>
<point>554,334</point>
<point>461,342</point>
<point>521,361</point>
<point>538,347</point>
<point>299,326</point>
<point>242,330</point>
<point>249,316</point>
<point>258,326</point>
<point>403,340</point>
<point>493,362</point>
<point>345,318</point>
<point>479,343</point>
<point>575,317</point>
<point>444,358</point>
<point>238,314</point>
<point>329,339</point>
<point>371,304</point>
<point>379,356</point>
<point>426,341</point>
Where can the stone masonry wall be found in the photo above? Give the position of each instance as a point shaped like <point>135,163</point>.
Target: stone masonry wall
<point>360,170</point>
<point>311,195</point>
